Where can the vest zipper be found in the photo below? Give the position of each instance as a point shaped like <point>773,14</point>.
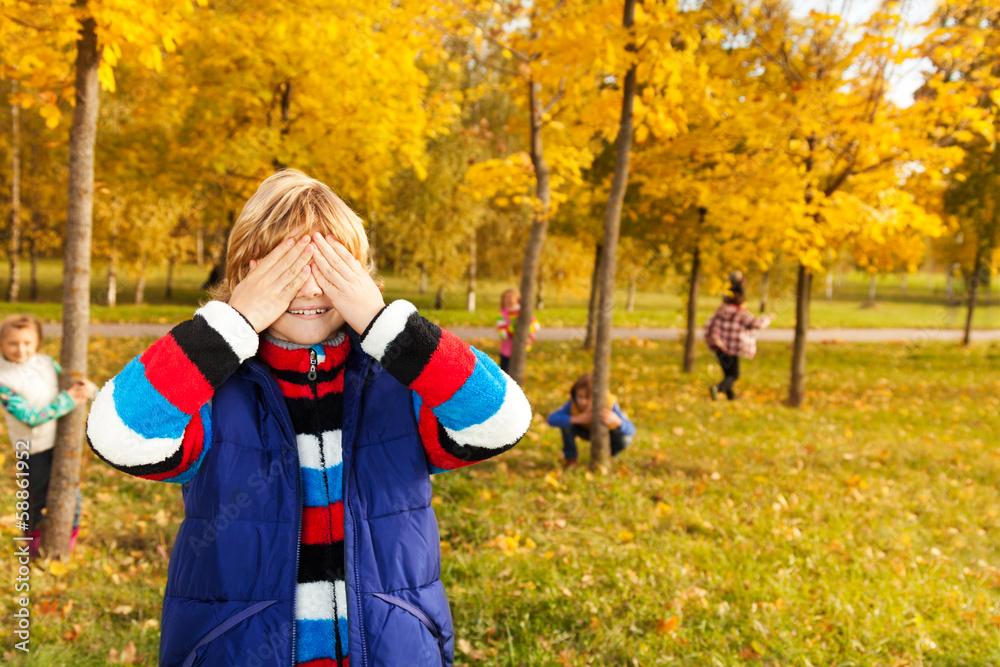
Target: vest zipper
<point>312,366</point>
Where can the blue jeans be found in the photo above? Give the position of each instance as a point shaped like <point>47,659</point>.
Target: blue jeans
<point>619,441</point>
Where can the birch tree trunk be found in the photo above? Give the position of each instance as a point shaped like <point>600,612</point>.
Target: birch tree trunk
<point>600,445</point>
<point>65,480</point>
<point>470,296</point>
<point>14,245</point>
<point>533,253</point>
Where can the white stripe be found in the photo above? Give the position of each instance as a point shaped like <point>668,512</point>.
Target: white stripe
<point>314,601</point>
<point>308,446</point>
<point>389,324</point>
<point>333,453</point>
<point>341,588</point>
<point>505,427</point>
<point>118,443</point>
<point>230,324</point>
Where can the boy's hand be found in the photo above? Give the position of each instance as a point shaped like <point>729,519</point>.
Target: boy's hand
<point>342,278</point>
<point>610,419</point>
<point>263,296</point>
<point>581,418</point>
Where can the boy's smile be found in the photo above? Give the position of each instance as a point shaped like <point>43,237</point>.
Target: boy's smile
<point>310,317</point>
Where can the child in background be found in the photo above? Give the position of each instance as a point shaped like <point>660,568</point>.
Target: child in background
<point>31,400</point>
<point>510,308</point>
<point>304,417</point>
<point>573,420</point>
<point>731,334</point>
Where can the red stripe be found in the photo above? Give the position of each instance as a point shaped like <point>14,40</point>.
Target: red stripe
<point>175,376</point>
<point>446,371</point>
<point>427,425</point>
<point>192,445</point>
<point>292,390</point>
<point>335,356</point>
<point>321,662</point>
<point>284,360</point>
<point>323,525</point>
<point>334,386</point>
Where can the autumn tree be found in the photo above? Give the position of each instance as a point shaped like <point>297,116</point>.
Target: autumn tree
<point>961,100</point>
<point>843,138</point>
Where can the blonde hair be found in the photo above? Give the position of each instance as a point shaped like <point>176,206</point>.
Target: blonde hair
<point>21,321</point>
<point>512,292</point>
<point>288,202</point>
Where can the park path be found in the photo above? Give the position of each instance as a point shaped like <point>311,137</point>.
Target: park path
<point>577,333</point>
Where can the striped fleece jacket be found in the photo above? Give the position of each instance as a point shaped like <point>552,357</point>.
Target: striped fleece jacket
<point>154,420</point>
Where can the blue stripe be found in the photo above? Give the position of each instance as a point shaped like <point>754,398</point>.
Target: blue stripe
<point>314,639</point>
<point>206,424</point>
<point>478,399</point>
<point>142,408</point>
<point>315,486</point>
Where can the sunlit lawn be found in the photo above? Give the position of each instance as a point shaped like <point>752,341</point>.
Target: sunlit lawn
<point>923,304</point>
<point>860,530</point>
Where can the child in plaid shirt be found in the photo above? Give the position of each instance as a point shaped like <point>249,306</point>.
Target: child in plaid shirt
<point>730,333</point>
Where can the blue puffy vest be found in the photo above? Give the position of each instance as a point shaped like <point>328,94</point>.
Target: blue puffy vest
<point>232,576</point>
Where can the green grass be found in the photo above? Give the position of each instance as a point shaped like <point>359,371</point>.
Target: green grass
<point>923,305</point>
<point>861,530</point>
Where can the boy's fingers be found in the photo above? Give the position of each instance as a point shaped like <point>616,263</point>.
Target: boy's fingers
<point>295,283</point>
<point>346,255</point>
<point>276,254</point>
<point>290,266</point>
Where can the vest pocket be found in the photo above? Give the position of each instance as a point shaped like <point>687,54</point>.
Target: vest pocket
<point>225,627</point>
<point>419,615</point>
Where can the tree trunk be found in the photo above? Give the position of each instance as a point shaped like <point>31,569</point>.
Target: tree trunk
<point>470,295</point>
<point>871,289</point>
<point>111,290</point>
<point>630,297</point>
<point>765,286</point>
<point>903,283</point>
<point>199,246</point>
<point>692,311</point>
<point>65,479</point>
<point>600,445</point>
<point>422,284</point>
<point>803,292</point>
<point>536,242</point>
<point>14,245</point>
<point>439,299</point>
<point>949,287</point>
<point>829,284</point>
<point>140,282</point>
<point>169,292</point>
<point>595,294</point>
<point>973,293</point>
<point>540,297</point>
<point>33,254</point>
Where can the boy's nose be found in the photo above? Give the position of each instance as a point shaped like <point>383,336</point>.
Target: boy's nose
<point>310,288</point>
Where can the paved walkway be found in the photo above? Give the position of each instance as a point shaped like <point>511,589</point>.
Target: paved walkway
<point>573,333</point>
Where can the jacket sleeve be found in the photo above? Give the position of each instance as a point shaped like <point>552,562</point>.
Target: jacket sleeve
<point>22,411</point>
<point>153,419</point>
<point>750,322</point>
<point>627,427</point>
<point>468,410</point>
<point>708,330</point>
<point>562,416</point>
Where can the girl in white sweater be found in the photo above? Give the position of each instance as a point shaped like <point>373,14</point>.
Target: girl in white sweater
<point>31,400</point>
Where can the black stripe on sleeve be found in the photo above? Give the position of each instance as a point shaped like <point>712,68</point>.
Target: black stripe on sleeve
<point>207,349</point>
<point>410,351</point>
